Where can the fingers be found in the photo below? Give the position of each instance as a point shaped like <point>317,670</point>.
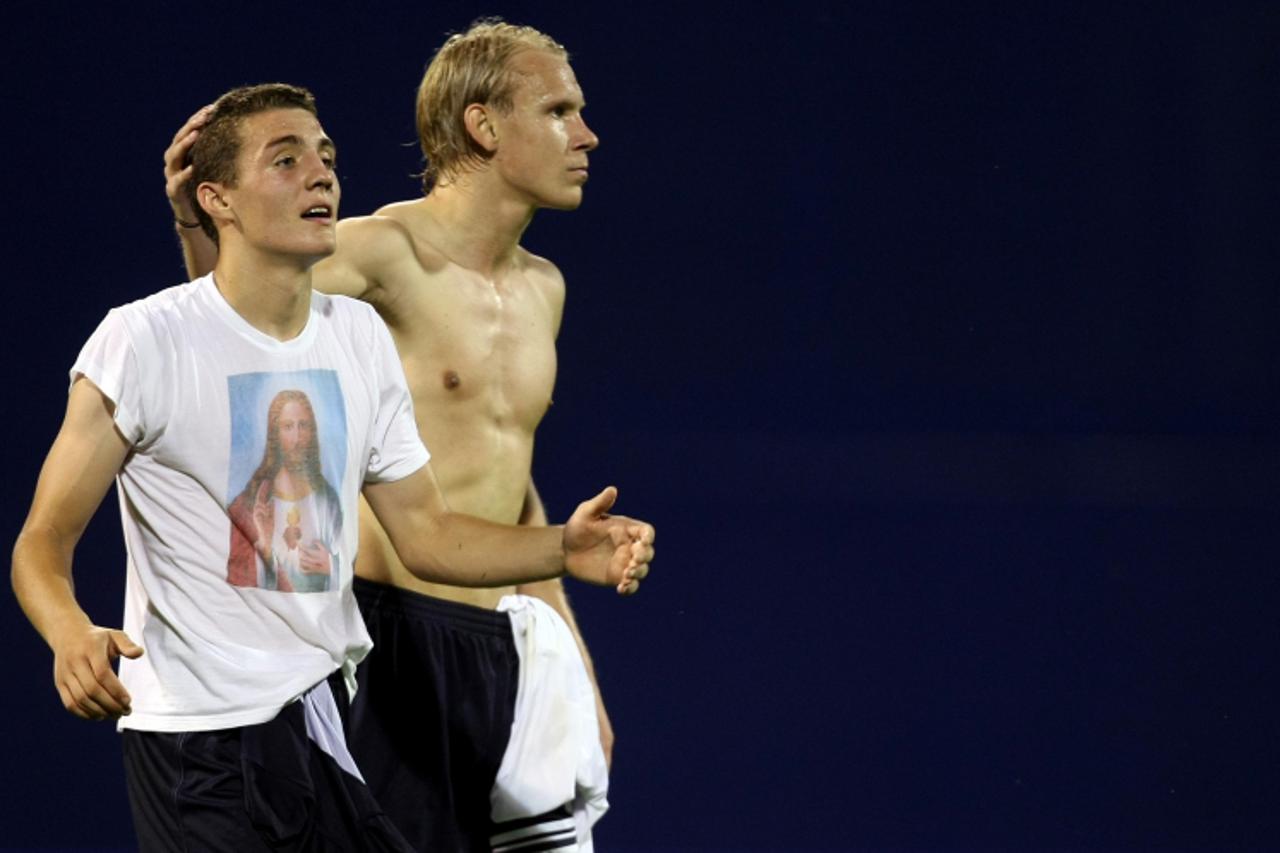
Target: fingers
<point>314,559</point>
<point>83,674</point>
<point>181,143</point>
<point>122,646</point>
<point>642,532</point>
<point>641,554</point>
<point>195,122</point>
<point>80,703</point>
<point>636,573</point>
<point>176,169</point>
<point>631,578</point>
<point>95,692</point>
<point>69,702</point>
<point>601,503</point>
<point>175,181</point>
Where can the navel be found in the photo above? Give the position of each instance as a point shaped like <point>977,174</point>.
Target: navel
<point>451,379</point>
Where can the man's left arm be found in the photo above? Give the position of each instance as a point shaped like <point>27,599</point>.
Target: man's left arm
<point>534,514</point>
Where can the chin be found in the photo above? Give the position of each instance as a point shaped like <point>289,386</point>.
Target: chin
<point>325,248</point>
<point>569,203</point>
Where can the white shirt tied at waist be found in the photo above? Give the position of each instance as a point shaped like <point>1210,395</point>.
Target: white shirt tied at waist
<point>554,756</point>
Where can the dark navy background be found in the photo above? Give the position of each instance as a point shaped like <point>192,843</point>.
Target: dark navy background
<point>939,341</point>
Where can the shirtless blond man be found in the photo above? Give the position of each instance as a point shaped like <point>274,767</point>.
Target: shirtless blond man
<point>230,698</point>
<point>474,317</point>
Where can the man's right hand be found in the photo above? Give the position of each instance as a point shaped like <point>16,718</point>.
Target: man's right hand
<point>604,549</point>
<point>176,174</point>
<point>83,675</point>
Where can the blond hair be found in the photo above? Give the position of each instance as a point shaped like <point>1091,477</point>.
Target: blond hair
<point>469,68</point>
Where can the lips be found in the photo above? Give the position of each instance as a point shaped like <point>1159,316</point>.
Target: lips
<point>318,211</point>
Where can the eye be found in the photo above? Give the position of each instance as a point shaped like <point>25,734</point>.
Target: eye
<point>286,160</point>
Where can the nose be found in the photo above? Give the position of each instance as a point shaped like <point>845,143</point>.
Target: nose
<point>585,139</point>
<point>319,172</point>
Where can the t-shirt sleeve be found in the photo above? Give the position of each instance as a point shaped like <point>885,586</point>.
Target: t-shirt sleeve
<point>110,361</point>
<point>396,450</point>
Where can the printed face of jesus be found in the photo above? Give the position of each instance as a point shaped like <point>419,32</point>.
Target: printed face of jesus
<point>295,432</point>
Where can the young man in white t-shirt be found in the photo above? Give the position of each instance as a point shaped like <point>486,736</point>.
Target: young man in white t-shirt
<point>241,416</point>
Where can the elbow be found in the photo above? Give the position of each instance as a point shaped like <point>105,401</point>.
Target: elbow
<point>429,554</point>
<point>25,557</point>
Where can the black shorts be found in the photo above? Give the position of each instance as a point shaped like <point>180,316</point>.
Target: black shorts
<point>266,787</point>
<point>432,718</point>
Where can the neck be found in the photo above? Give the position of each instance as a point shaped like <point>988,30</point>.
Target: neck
<point>288,486</point>
<point>272,294</point>
<point>478,228</point>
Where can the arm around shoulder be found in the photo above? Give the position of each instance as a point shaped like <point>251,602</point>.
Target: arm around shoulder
<point>369,250</point>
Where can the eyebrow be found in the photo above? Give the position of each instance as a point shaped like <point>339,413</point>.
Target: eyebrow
<point>293,139</point>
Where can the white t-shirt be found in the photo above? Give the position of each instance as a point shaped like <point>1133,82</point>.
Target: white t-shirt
<point>239,499</point>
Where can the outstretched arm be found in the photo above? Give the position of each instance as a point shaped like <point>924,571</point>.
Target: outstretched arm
<point>553,593</point>
<point>84,459</point>
<point>439,545</point>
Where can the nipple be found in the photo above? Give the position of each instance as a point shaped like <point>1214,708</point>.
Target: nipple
<point>451,379</point>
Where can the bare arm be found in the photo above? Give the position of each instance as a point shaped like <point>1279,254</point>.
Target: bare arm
<point>198,251</point>
<point>442,546</point>
<point>85,457</point>
<point>553,593</point>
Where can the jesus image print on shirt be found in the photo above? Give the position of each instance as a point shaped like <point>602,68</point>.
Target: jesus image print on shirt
<point>287,431</point>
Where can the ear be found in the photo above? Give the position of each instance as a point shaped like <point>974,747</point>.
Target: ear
<point>212,198</point>
<point>479,121</point>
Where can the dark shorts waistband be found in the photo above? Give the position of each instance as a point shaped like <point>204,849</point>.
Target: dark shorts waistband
<point>384,599</point>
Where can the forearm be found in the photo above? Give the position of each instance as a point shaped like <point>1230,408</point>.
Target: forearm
<point>462,550</point>
<point>441,546</point>
<point>198,252</point>
<point>41,578</point>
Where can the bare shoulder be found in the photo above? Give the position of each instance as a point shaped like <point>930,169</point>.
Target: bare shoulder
<point>543,274</point>
<point>368,238</point>
<point>413,221</point>
<point>547,279</point>
<point>369,249</point>
<point>377,255</point>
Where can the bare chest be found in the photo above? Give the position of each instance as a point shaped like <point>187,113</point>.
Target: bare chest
<point>477,355</point>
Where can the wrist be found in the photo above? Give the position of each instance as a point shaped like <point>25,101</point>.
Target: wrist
<point>562,530</point>
<point>184,223</point>
<point>58,630</point>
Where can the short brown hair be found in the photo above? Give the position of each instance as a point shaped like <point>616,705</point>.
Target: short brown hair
<point>469,68</point>
<point>215,150</point>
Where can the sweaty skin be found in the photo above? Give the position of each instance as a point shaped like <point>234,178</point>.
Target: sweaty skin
<point>271,238</point>
<point>479,355</point>
<point>473,314</point>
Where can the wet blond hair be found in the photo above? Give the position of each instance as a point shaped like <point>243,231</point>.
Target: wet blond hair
<point>469,68</point>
